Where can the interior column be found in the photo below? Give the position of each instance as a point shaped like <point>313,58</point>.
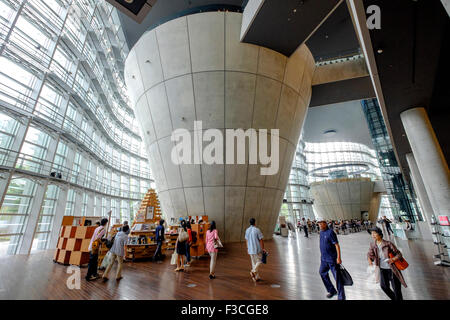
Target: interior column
<point>430,160</point>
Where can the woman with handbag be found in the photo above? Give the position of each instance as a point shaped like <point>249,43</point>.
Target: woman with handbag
<point>390,261</point>
<point>180,246</point>
<point>212,245</point>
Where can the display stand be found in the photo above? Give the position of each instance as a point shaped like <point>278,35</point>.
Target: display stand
<point>171,236</point>
<point>441,238</point>
<point>142,241</point>
<point>74,239</point>
<point>198,248</point>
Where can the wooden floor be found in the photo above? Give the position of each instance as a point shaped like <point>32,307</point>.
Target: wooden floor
<point>291,273</point>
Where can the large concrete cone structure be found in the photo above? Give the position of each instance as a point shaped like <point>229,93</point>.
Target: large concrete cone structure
<point>345,199</point>
<point>195,68</point>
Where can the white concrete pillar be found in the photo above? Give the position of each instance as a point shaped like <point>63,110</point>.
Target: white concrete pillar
<point>90,205</point>
<point>419,188</point>
<point>59,214</point>
<point>33,218</point>
<point>62,199</point>
<point>78,205</point>
<point>430,160</point>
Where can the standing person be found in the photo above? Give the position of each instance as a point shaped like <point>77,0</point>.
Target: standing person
<point>389,274</point>
<point>255,248</point>
<point>94,245</point>
<point>387,224</point>
<point>305,226</point>
<point>125,223</point>
<point>212,236</point>
<point>180,245</point>
<point>330,258</point>
<point>118,252</point>
<point>159,234</point>
<point>188,244</point>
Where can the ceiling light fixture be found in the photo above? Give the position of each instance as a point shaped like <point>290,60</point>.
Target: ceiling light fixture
<point>330,132</point>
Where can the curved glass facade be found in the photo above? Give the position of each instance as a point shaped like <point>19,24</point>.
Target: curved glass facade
<point>331,160</point>
<point>297,200</point>
<point>69,141</point>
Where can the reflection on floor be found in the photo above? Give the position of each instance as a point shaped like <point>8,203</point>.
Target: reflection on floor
<point>291,273</point>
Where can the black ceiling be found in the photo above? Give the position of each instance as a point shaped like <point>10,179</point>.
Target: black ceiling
<point>165,10</point>
<point>335,37</point>
<point>278,27</point>
<point>134,7</point>
<point>414,39</point>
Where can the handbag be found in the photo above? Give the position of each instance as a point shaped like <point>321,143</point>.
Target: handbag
<point>107,260</point>
<point>264,257</point>
<point>174,258</point>
<point>218,244</point>
<point>95,246</point>
<point>401,263</point>
<point>346,278</point>
<point>183,236</point>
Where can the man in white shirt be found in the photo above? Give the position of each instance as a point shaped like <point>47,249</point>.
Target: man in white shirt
<point>255,248</point>
<point>93,254</point>
<point>305,226</point>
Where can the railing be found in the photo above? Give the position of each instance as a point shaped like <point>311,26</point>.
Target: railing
<point>299,200</point>
<point>42,168</point>
<point>48,112</point>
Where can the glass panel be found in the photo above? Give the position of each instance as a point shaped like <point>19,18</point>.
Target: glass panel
<point>15,211</point>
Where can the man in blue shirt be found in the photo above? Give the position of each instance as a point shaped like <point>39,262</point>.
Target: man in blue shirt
<point>118,252</point>
<point>159,235</point>
<point>255,248</point>
<point>330,258</point>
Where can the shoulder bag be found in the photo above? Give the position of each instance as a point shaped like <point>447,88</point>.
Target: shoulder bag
<point>401,263</point>
<point>218,243</point>
<point>183,236</point>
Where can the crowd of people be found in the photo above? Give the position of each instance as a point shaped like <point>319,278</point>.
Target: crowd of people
<point>339,226</point>
<point>383,254</point>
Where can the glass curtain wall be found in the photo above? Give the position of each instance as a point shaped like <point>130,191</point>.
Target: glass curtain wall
<point>400,196</point>
<point>69,141</point>
<point>332,160</point>
<point>297,202</point>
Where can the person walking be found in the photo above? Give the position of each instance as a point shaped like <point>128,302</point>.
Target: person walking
<point>94,246</point>
<point>212,236</point>
<point>255,248</point>
<point>180,245</point>
<point>387,225</point>
<point>188,244</point>
<point>305,227</point>
<point>330,259</point>
<point>118,252</point>
<point>390,275</point>
<point>159,235</point>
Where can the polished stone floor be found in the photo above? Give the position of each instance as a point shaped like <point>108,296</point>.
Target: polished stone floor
<point>291,273</point>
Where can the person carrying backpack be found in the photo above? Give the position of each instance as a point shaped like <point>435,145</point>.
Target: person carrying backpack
<point>94,246</point>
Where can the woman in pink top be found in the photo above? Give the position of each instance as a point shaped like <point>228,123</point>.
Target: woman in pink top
<point>211,237</point>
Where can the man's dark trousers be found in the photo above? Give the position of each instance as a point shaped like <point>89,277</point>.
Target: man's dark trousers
<point>93,265</point>
<point>324,268</point>
<point>305,228</point>
<point>158,254</point>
